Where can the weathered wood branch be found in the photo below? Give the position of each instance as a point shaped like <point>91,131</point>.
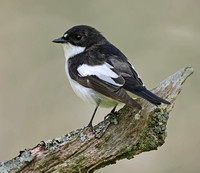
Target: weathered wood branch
<point>128,135</point>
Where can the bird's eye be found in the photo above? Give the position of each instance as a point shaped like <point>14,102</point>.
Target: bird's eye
<point>78,37</point>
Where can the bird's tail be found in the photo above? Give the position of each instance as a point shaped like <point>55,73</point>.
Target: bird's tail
<point>148,95</point>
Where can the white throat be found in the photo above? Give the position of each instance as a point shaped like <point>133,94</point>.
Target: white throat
<point>71,50</point>
<point>86,94</point>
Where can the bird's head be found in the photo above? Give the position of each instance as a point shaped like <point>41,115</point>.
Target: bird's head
<point>82,36</point>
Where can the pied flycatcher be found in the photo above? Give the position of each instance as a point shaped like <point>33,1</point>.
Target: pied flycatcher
<point>99,72</point>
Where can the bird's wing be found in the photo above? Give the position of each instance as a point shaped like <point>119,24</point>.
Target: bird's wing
<point>133,82</point>
<point>103,79</point>
<point>118,60</point>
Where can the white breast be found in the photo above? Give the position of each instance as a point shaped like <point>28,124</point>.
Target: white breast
<point>87,94</point>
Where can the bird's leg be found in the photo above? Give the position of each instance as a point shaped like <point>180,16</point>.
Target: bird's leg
<point>112,113</point>
<point>90,123</point>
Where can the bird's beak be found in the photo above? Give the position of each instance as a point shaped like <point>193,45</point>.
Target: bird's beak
<point>59,40</point>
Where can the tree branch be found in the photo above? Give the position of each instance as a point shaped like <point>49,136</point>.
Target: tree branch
<point>129,134</point>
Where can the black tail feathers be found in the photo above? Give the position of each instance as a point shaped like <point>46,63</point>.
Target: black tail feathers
<point>148,95</point>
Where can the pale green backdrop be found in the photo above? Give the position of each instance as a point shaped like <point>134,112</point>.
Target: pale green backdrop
<point>37,103</point>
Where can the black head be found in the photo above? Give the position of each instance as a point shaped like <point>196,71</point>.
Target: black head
<point>81,35</point>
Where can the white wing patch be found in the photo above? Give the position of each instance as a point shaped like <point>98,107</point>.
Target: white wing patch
<point>103,72</point>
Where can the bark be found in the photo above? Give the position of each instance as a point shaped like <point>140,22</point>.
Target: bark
<point>124,136</point>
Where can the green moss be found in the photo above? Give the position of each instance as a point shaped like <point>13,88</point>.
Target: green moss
<point>103,141</point>
<point>148,141</point>
<point>48,161</point>
<point>154,135</point>
<point>107,138</point>
<point>75,164</point>
<point>73,167</point>
<point>99,145</point>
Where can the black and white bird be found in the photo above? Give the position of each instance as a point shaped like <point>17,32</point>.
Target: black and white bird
<point>99,72</point>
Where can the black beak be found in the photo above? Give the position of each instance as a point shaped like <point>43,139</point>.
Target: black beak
<point>59,40</point>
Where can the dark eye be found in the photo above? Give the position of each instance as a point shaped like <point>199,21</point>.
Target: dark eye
<point>78,37</point>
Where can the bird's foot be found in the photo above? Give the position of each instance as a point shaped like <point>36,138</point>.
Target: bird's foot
<point>91,128</point>
<point>112,116</point>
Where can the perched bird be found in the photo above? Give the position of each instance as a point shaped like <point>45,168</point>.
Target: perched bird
<point>99,72</point>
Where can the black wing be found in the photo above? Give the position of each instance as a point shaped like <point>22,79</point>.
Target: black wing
<point>133,83</point>
<point>102,78</point>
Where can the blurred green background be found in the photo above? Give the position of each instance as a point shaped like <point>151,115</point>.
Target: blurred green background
<point>37,102</point>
